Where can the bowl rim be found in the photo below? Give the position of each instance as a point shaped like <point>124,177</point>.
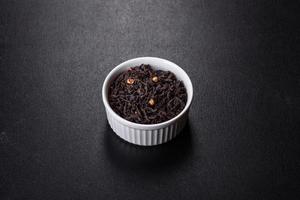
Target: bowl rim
<point>137,125</point>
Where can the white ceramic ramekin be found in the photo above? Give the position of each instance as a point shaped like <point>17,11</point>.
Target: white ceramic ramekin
<point>147,134</point>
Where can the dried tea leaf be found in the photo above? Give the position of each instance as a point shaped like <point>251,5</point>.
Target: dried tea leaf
<point>143,95</point>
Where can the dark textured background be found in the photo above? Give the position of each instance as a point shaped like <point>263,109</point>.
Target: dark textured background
<point>242,136</point>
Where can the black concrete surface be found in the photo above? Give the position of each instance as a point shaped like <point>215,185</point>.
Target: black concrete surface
<point>243,132</point>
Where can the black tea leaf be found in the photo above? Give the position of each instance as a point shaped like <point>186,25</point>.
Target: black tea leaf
<point>146,96</point>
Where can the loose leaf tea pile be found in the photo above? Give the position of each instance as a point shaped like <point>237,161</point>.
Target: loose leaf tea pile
<point>146,96</point>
